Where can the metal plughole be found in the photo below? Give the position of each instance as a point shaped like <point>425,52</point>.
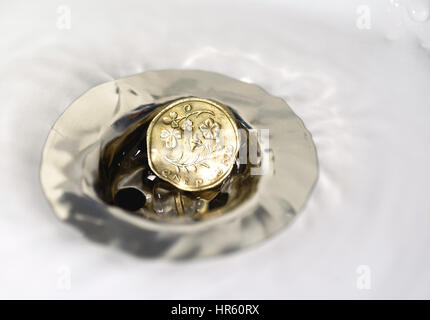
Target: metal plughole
<point>126,177</point>
<point>99,175</point>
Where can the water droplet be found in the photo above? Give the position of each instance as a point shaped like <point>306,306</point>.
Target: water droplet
<point>419,10</point>
<point>395,3</point>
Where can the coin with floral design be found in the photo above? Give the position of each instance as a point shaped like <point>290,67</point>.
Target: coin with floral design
<point>193,143</point>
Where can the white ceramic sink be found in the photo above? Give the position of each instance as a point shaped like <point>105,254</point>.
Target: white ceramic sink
<point>357,74</point>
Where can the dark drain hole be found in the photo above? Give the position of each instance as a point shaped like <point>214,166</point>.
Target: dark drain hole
<point>130,199</point>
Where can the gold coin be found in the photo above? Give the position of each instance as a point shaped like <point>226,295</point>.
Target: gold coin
<point>193,143</point>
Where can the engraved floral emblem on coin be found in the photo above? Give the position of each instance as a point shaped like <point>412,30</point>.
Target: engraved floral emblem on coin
<point>193,143</point>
